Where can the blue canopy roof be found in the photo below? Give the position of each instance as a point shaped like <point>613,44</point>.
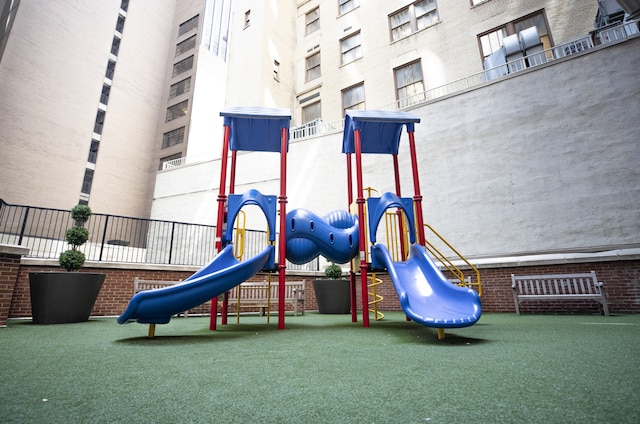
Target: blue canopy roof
<point>256,129</point>
<point>379,130</point>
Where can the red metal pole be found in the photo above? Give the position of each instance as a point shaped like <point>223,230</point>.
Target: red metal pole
<point>352,274</point>
<point>282,251</point>
<point>363,256</point>
<point>232,187</point>
<point>222,199</point>
<point>417,198</point>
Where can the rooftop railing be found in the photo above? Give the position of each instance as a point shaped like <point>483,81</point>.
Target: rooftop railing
<point>114,238</point>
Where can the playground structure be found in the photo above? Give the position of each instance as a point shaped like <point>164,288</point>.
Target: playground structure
<point>425,294</point>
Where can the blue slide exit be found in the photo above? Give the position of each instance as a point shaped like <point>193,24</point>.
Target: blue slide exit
<point>222,274</point>
<point>425,294</point>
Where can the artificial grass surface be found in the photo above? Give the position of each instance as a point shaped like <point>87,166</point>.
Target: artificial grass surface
<point>324,369</point>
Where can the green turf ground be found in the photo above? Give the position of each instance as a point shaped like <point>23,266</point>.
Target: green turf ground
<point>324,369</point>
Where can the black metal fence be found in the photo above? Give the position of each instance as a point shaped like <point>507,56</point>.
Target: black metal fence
<point>123,239</point>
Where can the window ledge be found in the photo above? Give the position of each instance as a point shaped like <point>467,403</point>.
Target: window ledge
<point>438,22</point>
<point>349,63</point>
<point>347,12</point>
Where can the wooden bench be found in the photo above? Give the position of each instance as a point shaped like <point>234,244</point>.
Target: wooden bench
<point>558,287</point>
<point>261,295</point>
<point>142,285</point>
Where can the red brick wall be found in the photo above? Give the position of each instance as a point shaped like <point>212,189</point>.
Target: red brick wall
<point>9,266</point>
<point>621,278</point>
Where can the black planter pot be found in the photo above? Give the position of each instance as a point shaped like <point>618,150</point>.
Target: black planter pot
<point>63,297</point>
<point>333,296</point>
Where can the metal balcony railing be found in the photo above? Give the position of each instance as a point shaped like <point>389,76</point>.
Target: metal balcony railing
<point>114,238</point>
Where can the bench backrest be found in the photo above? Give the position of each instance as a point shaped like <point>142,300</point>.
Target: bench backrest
<point>556,284</point>
<point>260,290</point>
<point>141,285</point>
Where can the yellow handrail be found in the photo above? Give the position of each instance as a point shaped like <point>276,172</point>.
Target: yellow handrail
<point>452,267</point>
<point>238,244</point>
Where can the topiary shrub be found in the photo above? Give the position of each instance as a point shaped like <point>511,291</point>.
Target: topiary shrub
<point>333,272</point>
<point>76,236</point>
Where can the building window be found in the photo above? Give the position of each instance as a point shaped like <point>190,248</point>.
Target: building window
<point>124,5</point>
<point>180,87</point>
<point>312,67</point>
<point>97,128</point>
<point>104,97</point>
<point>492,41</point>
<point>93,151</point>
<point>168,159</point>
<point>311,112</point>
<point>177,111</point>
<point>188,25</point>
<point>182,66</point>
<point>173,137</point>
<point>413,18</point>
<point>312,21</point>
<point>115,46</point>
<point>409,84</point>
<point>346,5</point>
<point>247,18</point>
<point>87,181</point>
<point>276,70</point>
<point>186,45</point>
<point>353,98</point>
<point>111,68</point>
<point>120,24</point>
<point>350,48</point>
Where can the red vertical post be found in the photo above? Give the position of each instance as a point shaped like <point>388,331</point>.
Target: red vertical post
<point>363,256</point>
<point>282,247</point>
<point>222,200</point>
<point>232,185</point>
<point>352,274</point>
<point>417,198</point>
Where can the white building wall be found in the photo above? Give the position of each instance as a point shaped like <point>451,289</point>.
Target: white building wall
<point>51,77</point>
<point>541,161</point>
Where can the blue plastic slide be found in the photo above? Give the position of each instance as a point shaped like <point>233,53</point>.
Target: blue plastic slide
<point>222,274</point>
<point>426,296</point>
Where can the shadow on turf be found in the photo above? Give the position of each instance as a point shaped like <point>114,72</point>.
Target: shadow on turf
<point>404,331</point>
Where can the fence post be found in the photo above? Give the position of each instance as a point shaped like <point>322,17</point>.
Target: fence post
<point>173,229</point>
<point>104,236</point>
<point>24,225</point>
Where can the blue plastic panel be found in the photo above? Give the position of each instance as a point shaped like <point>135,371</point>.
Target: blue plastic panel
<point>256,129</point>
<point>379,130</point>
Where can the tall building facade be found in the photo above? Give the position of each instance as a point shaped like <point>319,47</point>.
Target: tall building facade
<point>96,96</point>
<point>120,108</point>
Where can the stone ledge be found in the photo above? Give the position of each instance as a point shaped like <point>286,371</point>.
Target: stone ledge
<point>12,249</point>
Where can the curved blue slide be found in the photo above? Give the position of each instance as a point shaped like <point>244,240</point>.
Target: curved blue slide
<point>222,274</point>
<point>425,294</point>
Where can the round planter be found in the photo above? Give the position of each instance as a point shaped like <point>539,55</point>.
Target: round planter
<point>333,296</point>
<point>63,297</point>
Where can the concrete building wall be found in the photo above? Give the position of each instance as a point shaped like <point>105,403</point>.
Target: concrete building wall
<point>51,77</point>
<point>448,50</point>
<point>129,139</point>
<point>541,161</point>
<point>253,48</point>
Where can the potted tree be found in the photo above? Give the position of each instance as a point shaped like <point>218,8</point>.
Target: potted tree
<point>333,294</point>
<point>64,297</point>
